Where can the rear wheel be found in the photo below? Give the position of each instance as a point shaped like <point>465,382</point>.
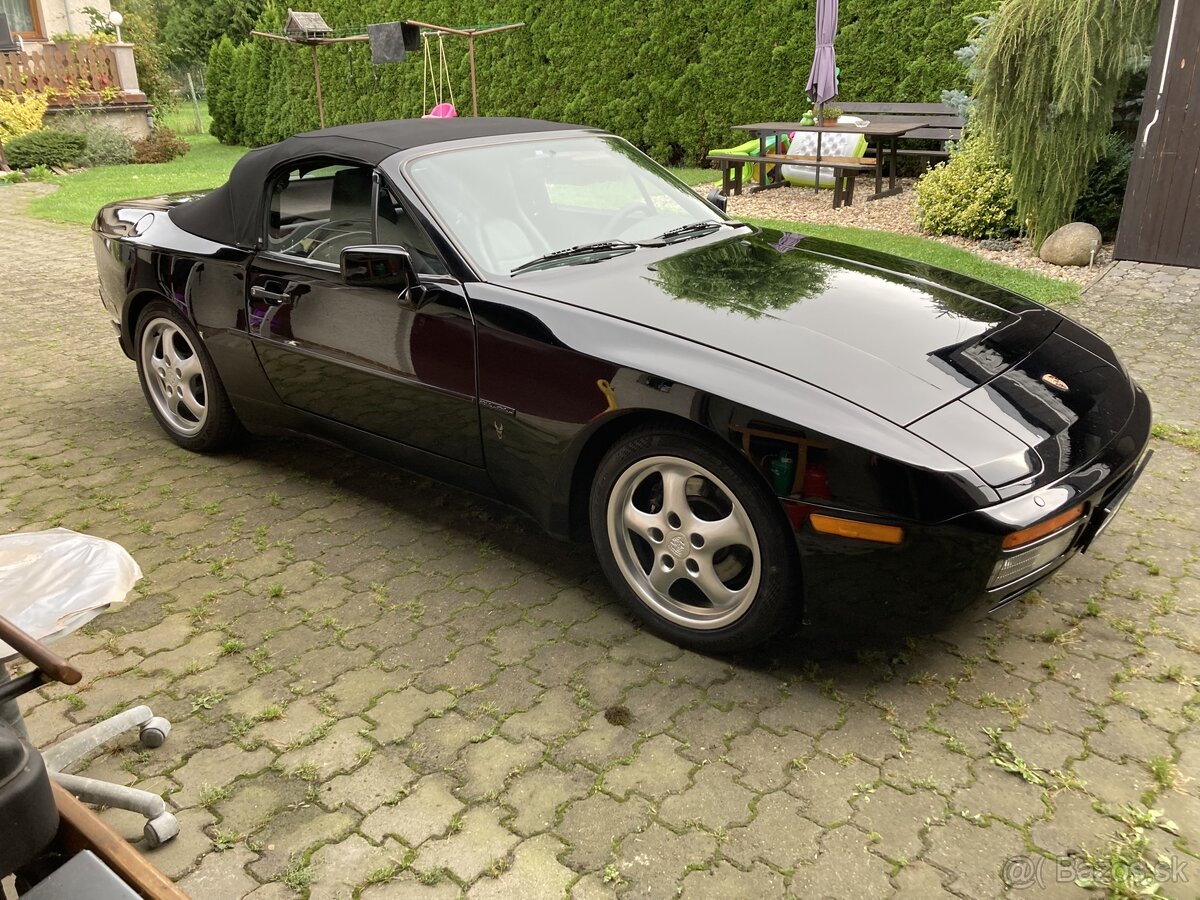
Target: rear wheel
<point>692,542</point>
<point>180,381</point>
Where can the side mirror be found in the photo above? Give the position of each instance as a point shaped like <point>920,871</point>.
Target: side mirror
<point>717,199</point>
<point>377,266</point>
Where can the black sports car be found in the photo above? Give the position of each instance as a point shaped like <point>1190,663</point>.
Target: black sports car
<point>757,428</point>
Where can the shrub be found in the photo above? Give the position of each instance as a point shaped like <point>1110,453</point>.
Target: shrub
<point>21,113</point>
<point>106,146</point>
<point>47,147</point>
<point>160,146</point>
<point>1101,201</point>
<point>971,195</point>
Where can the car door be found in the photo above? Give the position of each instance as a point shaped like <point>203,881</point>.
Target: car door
<point>397,365</point>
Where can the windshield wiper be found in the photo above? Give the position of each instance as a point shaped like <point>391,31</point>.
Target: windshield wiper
<point>558,256</point>
<point>693,229</point>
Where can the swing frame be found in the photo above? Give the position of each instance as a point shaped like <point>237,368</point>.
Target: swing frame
<point>469,33</point>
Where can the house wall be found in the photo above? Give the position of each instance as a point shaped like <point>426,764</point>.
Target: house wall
<point>66,16</point>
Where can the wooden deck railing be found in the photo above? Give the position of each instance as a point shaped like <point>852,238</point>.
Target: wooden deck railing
<point>80,72</point>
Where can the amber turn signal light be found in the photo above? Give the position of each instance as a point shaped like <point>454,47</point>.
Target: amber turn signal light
<point>863,531</point>
<point>1041,529</point>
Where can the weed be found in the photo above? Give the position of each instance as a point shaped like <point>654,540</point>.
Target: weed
<point>433,876</point>
<point>275,591</point>
<point>225,839</point>
<point>498,867</point>
<point>207,700</point>
<point>1012,707</point>
<point>1163,770</point>
<point>76,702</point>
<point>1127,867</point>
<point>298,876</point>
<point>383,874</point>
<point>210,794</point>
<point>1006,758</point>
<point>612,875</point>
<point>232,646</point>
<point>260,659</point>
<point>954,745</point>
<point>1175,673</point>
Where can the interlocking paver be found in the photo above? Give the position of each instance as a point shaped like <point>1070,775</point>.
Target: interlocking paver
<point>383,679</point>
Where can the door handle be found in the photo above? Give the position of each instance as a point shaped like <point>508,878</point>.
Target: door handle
<point>273,298</point>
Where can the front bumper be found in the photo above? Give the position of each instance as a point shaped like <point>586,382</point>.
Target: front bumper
<point>941,570</point>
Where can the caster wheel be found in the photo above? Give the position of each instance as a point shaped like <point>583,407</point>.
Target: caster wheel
<point>155,732</point>
<point>160,829</point>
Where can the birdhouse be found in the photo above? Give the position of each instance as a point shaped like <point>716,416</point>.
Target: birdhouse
<point>306,26</point>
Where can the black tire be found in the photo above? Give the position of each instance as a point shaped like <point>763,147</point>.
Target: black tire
<point>180,381</point>
<point>724,536</point>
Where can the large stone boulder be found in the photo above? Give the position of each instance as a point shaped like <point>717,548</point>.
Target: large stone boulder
<point>1071,245</point>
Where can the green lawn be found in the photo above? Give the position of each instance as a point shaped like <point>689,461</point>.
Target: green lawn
<point>80,194</point>
<point>693,175</point>
<point>208,163</point>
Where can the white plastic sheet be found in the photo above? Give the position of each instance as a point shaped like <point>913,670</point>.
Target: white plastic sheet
<point>52,582</point>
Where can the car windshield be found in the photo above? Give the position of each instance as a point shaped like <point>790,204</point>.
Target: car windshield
<point>509,205</point>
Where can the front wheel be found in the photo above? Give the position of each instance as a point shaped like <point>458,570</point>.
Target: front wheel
<point>692,543</point>
<point>180,381</point>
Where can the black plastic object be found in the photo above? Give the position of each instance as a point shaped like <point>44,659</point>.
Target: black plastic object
<point>391,42</point>
<point>28,816</point>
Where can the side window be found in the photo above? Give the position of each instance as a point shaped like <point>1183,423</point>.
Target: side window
<point>317,209</point>
<point>395,226</point>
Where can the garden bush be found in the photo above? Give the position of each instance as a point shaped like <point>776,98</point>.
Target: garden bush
<point>106,146</point>
<point>1101,201</point>
<point>48,147</point>
<point>672,78</point>
<point>971,195</point>
<point>21,113</point>
<point>160,146</point>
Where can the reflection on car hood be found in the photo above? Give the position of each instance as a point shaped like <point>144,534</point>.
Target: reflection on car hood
<point>893,336</point>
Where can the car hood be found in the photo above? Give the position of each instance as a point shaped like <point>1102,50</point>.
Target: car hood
<point>896,337</point>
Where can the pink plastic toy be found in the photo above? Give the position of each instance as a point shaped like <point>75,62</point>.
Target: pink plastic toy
<point>442,111</point>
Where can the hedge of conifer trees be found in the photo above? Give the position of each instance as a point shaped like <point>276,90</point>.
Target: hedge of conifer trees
<point>670,76</point>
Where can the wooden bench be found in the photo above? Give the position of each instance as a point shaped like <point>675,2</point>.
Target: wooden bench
<point>731,165</point>
<point>942,124</point>
<point>845,170</point>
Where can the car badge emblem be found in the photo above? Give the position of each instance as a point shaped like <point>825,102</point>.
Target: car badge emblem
<point>678,546</point>
<point>1055,382</point>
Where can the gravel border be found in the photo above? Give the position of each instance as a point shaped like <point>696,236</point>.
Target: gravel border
<point>896,214</point>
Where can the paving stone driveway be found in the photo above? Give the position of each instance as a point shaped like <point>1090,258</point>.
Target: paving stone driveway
<point>383,687</point>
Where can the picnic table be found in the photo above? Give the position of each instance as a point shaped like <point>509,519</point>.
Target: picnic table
<point>875,132</point>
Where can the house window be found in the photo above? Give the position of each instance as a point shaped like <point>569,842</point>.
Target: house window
<point>22,17</point>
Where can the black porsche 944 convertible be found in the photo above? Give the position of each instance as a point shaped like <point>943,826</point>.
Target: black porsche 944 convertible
<point>756,428</point>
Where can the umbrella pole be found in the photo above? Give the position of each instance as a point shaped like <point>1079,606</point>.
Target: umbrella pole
<point>817,167</point>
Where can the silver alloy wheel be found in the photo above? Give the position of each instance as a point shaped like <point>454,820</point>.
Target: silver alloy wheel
<point>174,376</point>
<point>684,542</point>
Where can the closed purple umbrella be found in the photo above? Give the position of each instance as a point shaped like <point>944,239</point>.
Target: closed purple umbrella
<point>822,80</point>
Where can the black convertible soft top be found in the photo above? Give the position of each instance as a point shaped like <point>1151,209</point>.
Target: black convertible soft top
<point>232,213</point>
